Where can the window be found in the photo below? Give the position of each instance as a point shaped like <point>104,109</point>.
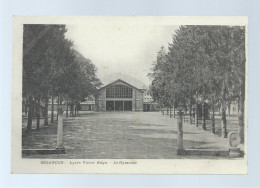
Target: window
<point>119,91</point>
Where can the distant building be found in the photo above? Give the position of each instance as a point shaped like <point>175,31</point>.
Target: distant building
<point>149,104</point>
<point>88,104</point>
<point>120,96</point>
<point>147,97</point>
<point>233,108</point>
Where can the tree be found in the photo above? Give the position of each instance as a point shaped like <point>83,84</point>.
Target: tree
<point>204,64</point>
<point>159,90</point>
<point>41,54</point>
<point>52,68</point>
<point>226,50</point>
<point>83,82</point>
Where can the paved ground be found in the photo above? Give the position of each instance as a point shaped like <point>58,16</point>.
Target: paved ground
<point>111,135</point>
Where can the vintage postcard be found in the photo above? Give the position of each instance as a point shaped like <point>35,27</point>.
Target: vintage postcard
<point>130,95</point>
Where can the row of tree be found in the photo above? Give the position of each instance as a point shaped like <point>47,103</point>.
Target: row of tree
<point>203,65</point>
<point>52,69</point>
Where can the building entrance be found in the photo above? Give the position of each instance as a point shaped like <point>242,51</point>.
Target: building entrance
<point>119,105</point>
<point>109,105</point>
<point>127,105</point>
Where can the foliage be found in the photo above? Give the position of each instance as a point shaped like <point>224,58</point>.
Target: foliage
<point>203,64</point>
<point>51,67</point>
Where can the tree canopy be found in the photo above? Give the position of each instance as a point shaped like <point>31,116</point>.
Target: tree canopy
<point>203,63</point>
<point>53,68</point>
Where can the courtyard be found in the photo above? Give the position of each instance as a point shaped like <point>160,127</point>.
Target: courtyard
<point>121,135</point>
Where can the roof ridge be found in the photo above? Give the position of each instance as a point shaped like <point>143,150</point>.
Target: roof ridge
<point>111,83</point>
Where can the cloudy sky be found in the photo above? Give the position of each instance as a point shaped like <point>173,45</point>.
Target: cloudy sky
<point>120,47</point>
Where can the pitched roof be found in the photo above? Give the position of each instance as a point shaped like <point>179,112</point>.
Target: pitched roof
<point>119,80</point>
<point>109,78</point>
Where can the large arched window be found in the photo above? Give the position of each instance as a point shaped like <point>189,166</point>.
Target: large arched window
<point>119,91</point>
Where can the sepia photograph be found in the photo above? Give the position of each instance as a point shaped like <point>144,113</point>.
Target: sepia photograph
<point>118,94</point>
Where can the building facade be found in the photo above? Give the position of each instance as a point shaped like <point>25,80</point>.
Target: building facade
<point>149,104</point>
<point>120,96</point>
<point>88,104</point>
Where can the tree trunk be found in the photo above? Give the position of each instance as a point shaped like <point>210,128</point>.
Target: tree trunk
<point>52,109</point>
<point>30,113</point>
<point>229,109</point>
<point>167,110</point>
<point>67,110</point>
<point>224,120</point>
<point>38,114</point>
<point>203,116</point>
<point>241,115</point>
<point>190,115</point>
<point>213,130</point>
<point>219,109</point>
<point>241,128</point>
<point>75,109</point>
<point>46,112</point>
<point>163,110</point>
<point>71,110</point>
<point>34,114</point>
<point>58,105</point>
<point>196,116</point>
<point>170,111</point>
<point>35,109</point>
<point>26,106</point>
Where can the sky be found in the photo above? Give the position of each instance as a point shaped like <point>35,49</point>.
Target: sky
<point>129,49</point>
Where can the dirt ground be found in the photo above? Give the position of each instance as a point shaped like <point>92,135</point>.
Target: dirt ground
<point>115,135</point>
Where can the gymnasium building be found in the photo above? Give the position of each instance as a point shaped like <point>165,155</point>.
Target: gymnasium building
<point>120,96</point>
